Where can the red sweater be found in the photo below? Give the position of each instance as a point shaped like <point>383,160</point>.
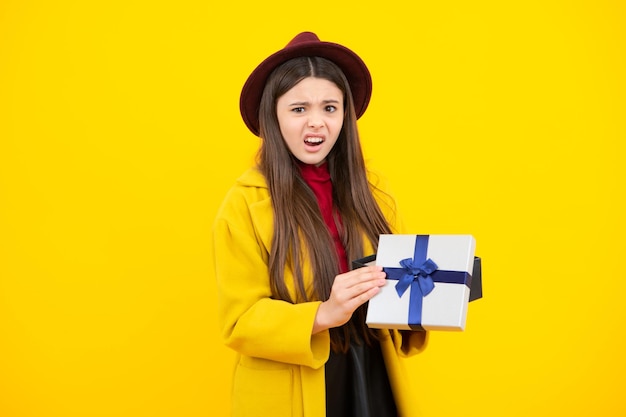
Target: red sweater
<point>318,178</point>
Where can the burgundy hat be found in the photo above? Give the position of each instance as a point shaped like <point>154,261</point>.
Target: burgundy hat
<point>306,44</point>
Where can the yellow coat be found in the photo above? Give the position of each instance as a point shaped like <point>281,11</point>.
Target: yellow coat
<point>280,369</point>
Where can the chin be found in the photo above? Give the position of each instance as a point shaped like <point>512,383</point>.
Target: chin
<point>314,161</point>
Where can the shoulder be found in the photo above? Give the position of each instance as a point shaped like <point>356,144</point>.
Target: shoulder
<point>246,211</point>
<point>248,197</point>
<point>248,191</point>
<point>251,178</point>
<point>250,186</point>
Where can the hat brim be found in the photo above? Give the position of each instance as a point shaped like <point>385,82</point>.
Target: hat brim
<point>352,65</point>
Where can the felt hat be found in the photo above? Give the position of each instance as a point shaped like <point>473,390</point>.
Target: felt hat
<point>306,44</point>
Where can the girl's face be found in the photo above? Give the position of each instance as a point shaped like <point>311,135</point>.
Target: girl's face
<point>310,116</point>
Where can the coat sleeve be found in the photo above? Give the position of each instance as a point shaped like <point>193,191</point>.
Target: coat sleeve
<point>253,323</point>
<point>409,342</point>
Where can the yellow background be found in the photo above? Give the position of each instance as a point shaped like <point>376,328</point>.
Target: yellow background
<point>120,133</point>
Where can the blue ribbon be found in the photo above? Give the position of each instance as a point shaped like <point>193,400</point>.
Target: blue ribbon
<point>423,272</point>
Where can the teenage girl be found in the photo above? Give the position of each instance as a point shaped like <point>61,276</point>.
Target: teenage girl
<point>284,237</point>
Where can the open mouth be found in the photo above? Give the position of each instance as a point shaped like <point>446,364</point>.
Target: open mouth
<point>313,141</point>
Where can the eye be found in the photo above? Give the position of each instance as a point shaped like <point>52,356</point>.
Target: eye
<point>298,109</point>
<point>331,109</point>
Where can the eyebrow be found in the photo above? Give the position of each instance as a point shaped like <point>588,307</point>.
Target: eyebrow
<point>305,103</point>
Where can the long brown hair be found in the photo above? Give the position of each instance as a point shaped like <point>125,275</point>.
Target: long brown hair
<point>297,217</point>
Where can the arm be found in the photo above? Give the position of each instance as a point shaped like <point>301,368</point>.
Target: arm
<point>253,323</point>
<point>410,342</point>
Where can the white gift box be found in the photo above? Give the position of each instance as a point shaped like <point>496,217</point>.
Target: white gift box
<point>418,294</point>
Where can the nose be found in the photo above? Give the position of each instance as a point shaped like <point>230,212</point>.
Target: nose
<point>316,120</point>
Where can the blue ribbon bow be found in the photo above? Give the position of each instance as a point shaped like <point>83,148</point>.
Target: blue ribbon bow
<point>419,273</point>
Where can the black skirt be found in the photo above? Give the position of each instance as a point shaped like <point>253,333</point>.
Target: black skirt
<point>357,384</point>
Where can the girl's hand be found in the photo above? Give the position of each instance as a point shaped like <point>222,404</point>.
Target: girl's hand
<point>348,292</point>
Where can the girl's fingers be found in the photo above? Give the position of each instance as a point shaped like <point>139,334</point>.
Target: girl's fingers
<point>361,285</point>
<point>362,274</point>
<point>358,276</point>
